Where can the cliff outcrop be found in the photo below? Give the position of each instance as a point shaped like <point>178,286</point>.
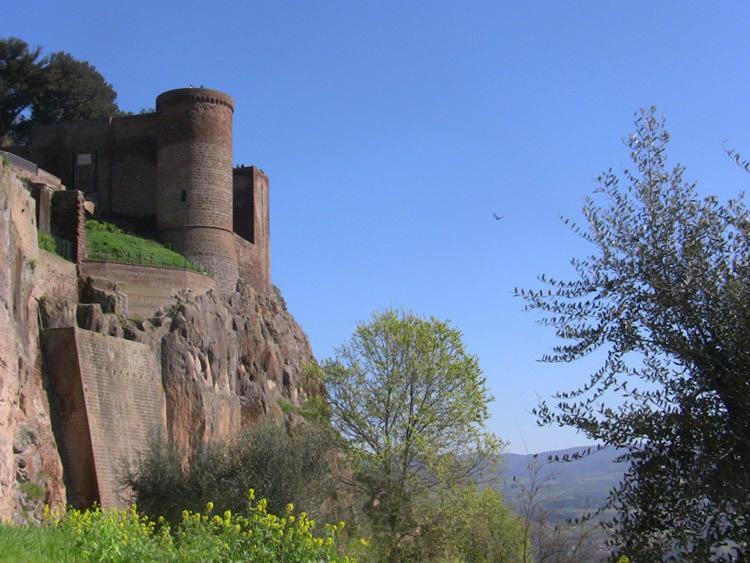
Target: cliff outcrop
<point>30,469</point>
<point>223,362</point>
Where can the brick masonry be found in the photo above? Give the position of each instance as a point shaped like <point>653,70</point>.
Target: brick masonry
<point>68,219</point>
<point>194,196</point>
<point>169,173</point>
<point>251,222</point>
<point>109,402</point>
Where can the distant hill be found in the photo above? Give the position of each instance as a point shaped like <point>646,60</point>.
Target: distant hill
<point>570,488</point>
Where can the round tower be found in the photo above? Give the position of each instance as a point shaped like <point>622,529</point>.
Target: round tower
<point>194,179</point>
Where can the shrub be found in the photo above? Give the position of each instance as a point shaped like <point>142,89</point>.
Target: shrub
<point>282,466</point>
<point>251,535</point>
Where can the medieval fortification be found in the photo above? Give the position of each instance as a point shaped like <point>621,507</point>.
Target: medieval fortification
<point>99,356</point>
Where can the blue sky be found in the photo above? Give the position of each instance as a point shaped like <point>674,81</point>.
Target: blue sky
<point>392,131</point>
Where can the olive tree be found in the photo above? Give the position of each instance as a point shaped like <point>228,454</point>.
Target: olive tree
<point>665,298</point>
<point>410,404</point>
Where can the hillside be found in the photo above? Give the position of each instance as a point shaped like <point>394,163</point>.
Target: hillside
<point>570,488</point>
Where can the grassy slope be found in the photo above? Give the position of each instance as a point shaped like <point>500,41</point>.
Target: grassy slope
<point>34,544</point>
<point>107,242</point>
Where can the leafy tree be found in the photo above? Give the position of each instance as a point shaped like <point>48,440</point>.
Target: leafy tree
<point>20,80</point>
<point>410,404</point>
<point>665,296</point>
<point>72,90</point>
<point>480,527</point>
<point>40,91</point>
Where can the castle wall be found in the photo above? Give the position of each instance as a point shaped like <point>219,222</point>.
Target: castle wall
<point>53,147</point>
<point>194,172</point>
<point>109,403</point>
<point>251,222</point>
<point>131,152</point>
<point>148,288</point>
<point>123,162</point>
<point>167,173</point>
<point>69,220</point>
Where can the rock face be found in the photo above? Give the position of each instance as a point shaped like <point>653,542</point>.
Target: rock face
<point>30,468</point>
<point>225,360</point>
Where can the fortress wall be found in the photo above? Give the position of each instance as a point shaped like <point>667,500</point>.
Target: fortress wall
<point>243,210</point>
<point>207,186</point>
<point>52,147</point>
<point>120,382</point>
<point>194,172</point>
<point>125,161</point>
<point>132,165</point>
<point>252,223</point>
<point>148,288</point>
<point>57,277</point>
<point>68,218</point>
<point>213,249</point>
<point>251,266</point>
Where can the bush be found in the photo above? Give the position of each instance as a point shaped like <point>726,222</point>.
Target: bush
<point>282,466</point>
<point>125,535</point>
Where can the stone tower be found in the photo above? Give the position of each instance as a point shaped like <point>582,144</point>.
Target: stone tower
<point>194,179</point>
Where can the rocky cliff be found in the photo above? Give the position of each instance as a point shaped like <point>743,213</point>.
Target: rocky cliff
<point>225,361</point>
<point>30,468</point>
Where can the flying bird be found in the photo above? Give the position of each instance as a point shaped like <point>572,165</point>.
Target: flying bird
<point>497,217</point>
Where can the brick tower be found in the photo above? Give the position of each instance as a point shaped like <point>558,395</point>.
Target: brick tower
<point>194,179</point>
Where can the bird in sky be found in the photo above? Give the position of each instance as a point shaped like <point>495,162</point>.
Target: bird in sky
<point>497,217</point>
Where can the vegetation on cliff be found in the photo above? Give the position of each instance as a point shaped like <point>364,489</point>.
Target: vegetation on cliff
<point>106,241</point>
<point>665,296</point>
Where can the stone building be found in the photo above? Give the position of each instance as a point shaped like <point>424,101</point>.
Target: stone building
<point>169,174</point>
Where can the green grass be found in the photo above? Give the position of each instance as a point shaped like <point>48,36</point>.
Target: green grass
<point>26,544</point>
<point>46,242</point>
<point>107,242</point>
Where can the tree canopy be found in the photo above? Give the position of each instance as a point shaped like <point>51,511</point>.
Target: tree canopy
<point>72,90</point>
<point>40,91</point>
<point>20,80</point>
<point>665,295</point>
<point>410,404</point>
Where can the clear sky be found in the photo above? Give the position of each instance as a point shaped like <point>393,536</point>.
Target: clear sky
<point>392,131</point>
